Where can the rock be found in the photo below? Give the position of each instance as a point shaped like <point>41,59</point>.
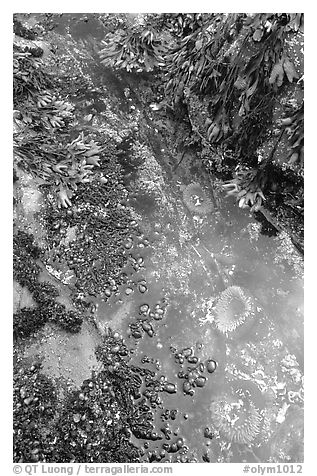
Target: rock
<point>211,366</point>
<point>187,387</point>
<point>28,400</point>
<point>144,308</point>
<point>76,417</point>
<point>169,388</point>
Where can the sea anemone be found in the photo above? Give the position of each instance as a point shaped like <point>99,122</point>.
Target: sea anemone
<point>235,418</point>
<point>233,308</point>
<point>196,199</point>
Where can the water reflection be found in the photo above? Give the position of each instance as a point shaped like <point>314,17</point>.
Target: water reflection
<point>248,406</point>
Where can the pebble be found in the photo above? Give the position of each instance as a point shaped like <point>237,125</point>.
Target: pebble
<point>128,245</point>
<point>22,392</point>
<point>208,433</point>
<point>146,326</point>
<point>174,448</point>
<point>144,308</point>
<point>128,291</point>
<point>200,381</point>
<point>187,352</point>
<point>211,366</point>
<point>76,418</point>
<point>137,334</point>
<point>201,367</point>
<point>186,387</point>
<point>142,288</point>
<point>169,388</point>
<point>115,349</point>
<point>180,442</point>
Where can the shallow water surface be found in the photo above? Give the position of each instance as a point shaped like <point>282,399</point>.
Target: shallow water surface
<point>234,395</point>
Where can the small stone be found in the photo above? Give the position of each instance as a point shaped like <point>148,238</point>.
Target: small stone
<point>136,334</point>
<point>28,400</point>
<point>208,433</point>
<point>144,308</point>
<point>173,448</point>
<point>200,381</point>
<point>115,349</point>
<point>187,352</point>
<point>142,288</point>
<point>76,418</point>
<point>169,388</point>
<point>186,387</point>
<point>128,245</point>
<point>22,392</point>
<point>128,291</point>
<point>201,367</point>
<point>146,326</point>
<point>211,366</point>
<point>180,442</point>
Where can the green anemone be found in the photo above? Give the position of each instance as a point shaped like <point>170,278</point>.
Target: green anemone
<point>196,199</point>
<point>236,419</point>
<point>233,308</point>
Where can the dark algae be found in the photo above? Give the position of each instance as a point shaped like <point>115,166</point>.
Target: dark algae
<point>158,238</point>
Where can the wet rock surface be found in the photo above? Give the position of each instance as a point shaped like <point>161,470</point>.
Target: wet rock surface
<point>118,354</point>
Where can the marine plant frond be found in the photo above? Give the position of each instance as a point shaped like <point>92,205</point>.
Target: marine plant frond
<point>133,50</point>
<point>28,75</point>
<point>247,187</point>
<point>62,165</point>
<point>233,59</point>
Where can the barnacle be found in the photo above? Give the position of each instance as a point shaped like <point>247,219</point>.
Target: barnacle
<point>196,199</point>
<point>233,308</point>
